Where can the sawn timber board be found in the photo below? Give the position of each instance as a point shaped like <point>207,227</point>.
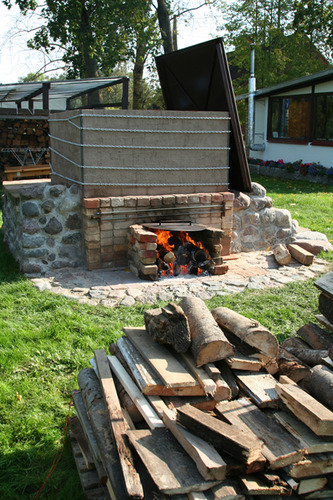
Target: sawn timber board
<point>159,357</point>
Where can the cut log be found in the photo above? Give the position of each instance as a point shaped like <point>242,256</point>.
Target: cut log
<point>212,371</point>
<point>311,357</point>
<point>319,383</point>
<point>259,387</point>
<point>209,343</point>
<point>146,378</point>
<point>160,359</point>
<point>316,337</point>
<point>291,366</point>
<point>302,256</point>
<point>138,399</point>
<point>310,411</point>
<point>98,416</point>
<point>282,254</point>
<point>325,306</point>
<point>279,448</point>
<point>119,426</point>
<point>169,325</point>
<point>294,342</point>
<point>324,321</point>
<point>171,469</point>
<point>227,438</point>
<point>209,463</point>
<point>325,283</point>
<point>307,439</point>
<point>312,465</point>
<point>247,330</point>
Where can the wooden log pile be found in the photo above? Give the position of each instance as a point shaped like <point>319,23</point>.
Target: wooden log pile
<point>242,418</point>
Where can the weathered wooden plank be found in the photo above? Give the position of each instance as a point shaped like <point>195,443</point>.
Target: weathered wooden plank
<point>307,439</point>
<point>138,399</point>
<point>306,408</point>
<point>172,470</point>
<point>240,361</point>
<point>209,463</point>
<point>119,426</point>
<point>260,387</point>
<point>228,438</point>
<point>207,383</point>
<point>325,283</point>
<point>324,321</point>
<point>228,490</point>
<point>98,416</point>
<point>254,486</point>
<point>279,448</point>
<point>146,378</point>
<point>312,484</point>
<point>312,465</point>
<point>319,383</point>
<point>78,434</point>
<point>300,254</point>
<point>159,357</point>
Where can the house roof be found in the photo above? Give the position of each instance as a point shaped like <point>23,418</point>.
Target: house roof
<point>303,81</point>
<point>47,93</point>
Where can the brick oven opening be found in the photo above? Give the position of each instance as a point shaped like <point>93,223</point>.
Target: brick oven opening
<point>174,248</point>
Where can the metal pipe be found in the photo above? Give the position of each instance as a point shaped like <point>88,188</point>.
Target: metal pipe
<point>251,111</point>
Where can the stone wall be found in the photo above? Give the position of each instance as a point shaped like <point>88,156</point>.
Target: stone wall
<point>256,224</point>
<point>42,225</point>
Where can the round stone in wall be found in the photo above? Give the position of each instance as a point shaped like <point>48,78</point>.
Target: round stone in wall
<point>30,209</point>
<point>54,226</point>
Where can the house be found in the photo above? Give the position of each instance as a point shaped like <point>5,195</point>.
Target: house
<point>293,120</point>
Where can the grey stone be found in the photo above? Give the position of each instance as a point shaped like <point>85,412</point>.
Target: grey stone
<point>97,294</point>
<point>68,204</point>
<point>73,221</point>
<point>251,218</point>
<point>54,226</point>
<point>30,226</point>
<point>127,301</point>
<point>258,203</point>
<point>36,253</point>
<point>52,257</point>
<point>30,209</point>
<point>74,189</point>
<point>71,239</point>
<point>32,241</point>
<point>33,192</point>
<point>48,206</point>
<point>269,202</point>
<point>116,294</point>
<point>41,284</point>
<point>258,189</point>
<point>237,222</point>
<point>255,286</point>
<point>147,298</point>
<point>165,296</point>
<point>241,201</point>
<point>283,217</point>
<point>58,264</point>
<point>56,191</point>
<point>50,242</point>
<point>311,235</point>
<point>268,216</point>
<point>31,268</point>
<point>134,292</point>
<point>42,220</point>
<point>107,303</point>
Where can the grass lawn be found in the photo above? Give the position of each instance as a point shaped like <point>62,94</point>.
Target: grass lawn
<point>45,340</point>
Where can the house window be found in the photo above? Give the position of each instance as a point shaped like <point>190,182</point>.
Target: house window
<point>324,117</point>
<point>290,118</point>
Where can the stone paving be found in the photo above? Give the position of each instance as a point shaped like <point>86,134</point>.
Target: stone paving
<point>253,270</point>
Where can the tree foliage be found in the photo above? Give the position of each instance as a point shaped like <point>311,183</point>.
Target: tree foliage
<point>284,49</point>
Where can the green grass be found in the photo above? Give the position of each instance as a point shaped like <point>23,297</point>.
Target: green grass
<point>45,340</point>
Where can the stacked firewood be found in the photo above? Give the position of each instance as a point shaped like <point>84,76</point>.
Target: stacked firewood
<point>206,405</point>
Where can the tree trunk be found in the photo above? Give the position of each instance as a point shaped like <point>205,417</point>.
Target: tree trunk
<point>319,383</point>
<point>311,357</point>
<point>138,74</point>
<point>164,24</point>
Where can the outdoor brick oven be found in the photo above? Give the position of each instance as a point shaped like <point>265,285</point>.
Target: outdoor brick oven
<point>137,169</point>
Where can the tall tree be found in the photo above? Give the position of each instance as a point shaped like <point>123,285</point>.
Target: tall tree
<point>282,51</point>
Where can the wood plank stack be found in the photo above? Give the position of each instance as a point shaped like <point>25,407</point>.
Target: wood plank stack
<point>247,419</point>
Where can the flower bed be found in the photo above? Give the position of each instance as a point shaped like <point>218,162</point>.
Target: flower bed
<point>312,172</point>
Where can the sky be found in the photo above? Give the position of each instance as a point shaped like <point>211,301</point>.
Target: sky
<point>16,60</point>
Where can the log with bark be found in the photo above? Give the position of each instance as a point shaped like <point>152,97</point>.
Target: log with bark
<point>248,330</point>
<point>311,357</point>
<point>316,337</point>
<point>291,366</point>
<point>169,325</point>
<point>319,383</point>
<point>209,343</point>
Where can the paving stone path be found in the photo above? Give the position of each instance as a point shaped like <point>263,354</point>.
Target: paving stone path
<point>254,270</point>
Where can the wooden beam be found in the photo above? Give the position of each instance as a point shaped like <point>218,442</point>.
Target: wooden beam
<point>260,387</point>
